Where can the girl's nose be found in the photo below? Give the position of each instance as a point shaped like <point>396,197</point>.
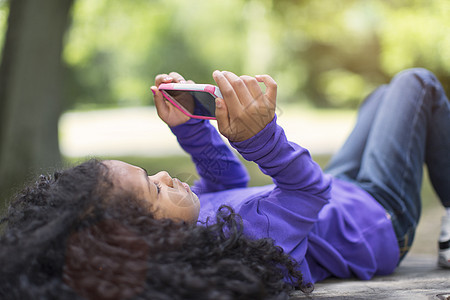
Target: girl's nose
<point>163,177</point>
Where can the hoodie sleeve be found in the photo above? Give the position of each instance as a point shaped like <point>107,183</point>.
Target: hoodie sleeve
<point>217,165</point>
<point>290,166</point>
<point>289,212</point>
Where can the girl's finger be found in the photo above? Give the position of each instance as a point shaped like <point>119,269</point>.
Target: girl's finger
<point>241,90</point>
<point>160,103</point>
<point>177,77</point>
<point>162,78</point>
<point>229,96</point>
<point>271,87</point>
<point>223,119</point>
<point>252,86</point>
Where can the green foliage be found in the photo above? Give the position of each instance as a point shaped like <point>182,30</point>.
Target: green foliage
<point>115,48</point>
<point>330,53</point>
<point>420,37</point>
<point>349,47</point>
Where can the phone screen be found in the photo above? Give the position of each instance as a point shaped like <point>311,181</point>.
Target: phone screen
<point>205,104</point>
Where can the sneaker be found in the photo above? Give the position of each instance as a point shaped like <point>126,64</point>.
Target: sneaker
<point>444,243</point>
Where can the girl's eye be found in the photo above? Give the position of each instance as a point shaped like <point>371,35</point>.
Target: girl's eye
<point>158,187</point>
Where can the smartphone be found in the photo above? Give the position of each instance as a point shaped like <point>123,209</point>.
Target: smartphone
<point>187,96</point>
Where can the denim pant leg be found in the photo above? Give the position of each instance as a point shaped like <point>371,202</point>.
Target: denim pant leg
<point>437,151</point>
<point>346,163</point>
<point>412,125</point>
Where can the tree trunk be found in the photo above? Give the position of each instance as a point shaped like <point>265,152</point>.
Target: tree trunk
<point>31,90</point>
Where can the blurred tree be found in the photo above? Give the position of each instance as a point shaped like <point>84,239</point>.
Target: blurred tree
<point>30,89</point>
<point>141,38</point>
<point>416,34</point>
<point>343,49</point>
<point>330,53</point>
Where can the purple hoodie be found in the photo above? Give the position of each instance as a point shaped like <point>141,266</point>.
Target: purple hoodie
<point>331,227</point>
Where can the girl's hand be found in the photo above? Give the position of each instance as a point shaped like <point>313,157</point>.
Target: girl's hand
<point>171,115</point>
<point>244,110</point>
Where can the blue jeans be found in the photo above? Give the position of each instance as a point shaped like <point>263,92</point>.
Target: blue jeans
<point>400,127</point>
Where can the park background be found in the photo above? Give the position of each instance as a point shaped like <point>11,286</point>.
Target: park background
<point>76,74</point>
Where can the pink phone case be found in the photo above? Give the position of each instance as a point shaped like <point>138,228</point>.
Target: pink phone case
<point>206,88</point>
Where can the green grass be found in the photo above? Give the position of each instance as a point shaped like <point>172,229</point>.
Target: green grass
<point>183,168</point>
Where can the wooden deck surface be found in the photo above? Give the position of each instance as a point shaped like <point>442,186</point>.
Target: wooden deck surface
<point>418,277</point>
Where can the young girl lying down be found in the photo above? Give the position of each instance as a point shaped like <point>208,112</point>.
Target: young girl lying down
<point>108,230</point>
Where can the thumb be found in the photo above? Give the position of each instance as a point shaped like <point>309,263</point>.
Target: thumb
<point>223,122</point>
<point>161,105</point>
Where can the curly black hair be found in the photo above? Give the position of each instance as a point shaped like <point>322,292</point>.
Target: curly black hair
<point>70,236</point>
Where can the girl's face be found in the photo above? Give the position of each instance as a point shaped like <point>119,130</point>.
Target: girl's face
<point>169,197</point>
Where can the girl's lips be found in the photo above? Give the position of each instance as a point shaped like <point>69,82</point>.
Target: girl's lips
<point>186,186</point>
